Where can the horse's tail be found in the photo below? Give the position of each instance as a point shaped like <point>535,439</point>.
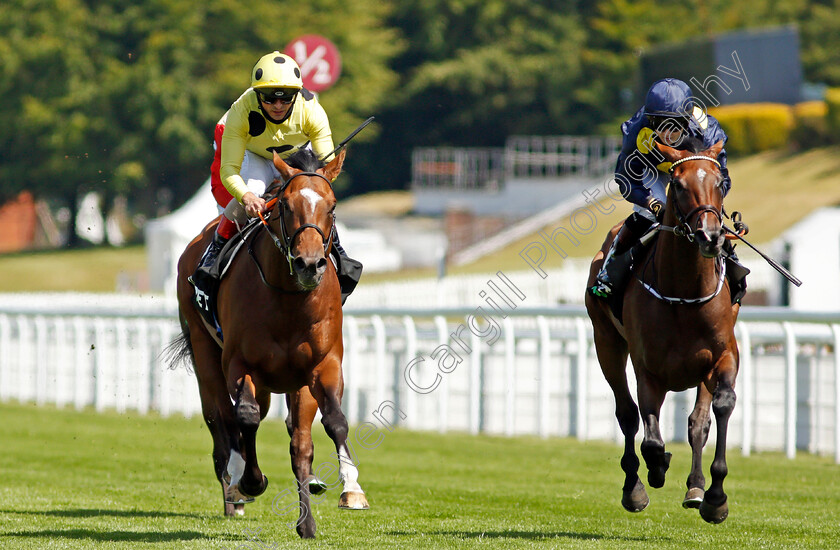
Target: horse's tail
<point>179,350</point>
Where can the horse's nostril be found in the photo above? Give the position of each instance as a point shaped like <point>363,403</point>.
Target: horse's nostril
<point>707,236</point>
<point>322,264</point>
<point>299,264</point>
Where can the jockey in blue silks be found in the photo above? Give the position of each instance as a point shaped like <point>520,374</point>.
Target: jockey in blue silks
<point>669,116</point>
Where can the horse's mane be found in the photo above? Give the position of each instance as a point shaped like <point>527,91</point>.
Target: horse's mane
<point>305,159</point>
<point>695,144</point>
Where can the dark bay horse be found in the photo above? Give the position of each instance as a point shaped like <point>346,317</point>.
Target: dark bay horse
<point>679,332</point>
<point>279,309</point>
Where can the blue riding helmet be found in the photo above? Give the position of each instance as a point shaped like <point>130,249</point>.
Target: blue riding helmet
<point>669,98</point>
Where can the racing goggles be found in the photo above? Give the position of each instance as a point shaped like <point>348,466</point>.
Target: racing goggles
<point>664,122</point>
<point>271,96</point>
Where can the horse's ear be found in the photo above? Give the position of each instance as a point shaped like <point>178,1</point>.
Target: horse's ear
<point>670,153</point>
<point>715,149</point>
<point>333,169</point>
<point>285,170</point>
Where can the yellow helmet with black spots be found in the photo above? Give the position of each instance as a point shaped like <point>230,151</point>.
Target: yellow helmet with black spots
<point>276,70</point>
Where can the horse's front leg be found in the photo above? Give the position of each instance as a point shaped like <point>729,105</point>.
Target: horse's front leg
<point>651,396</point>
<point>302,409</point>
<point>698,433</point>
<point>316,486</point>
<point>328,388</point>
<point>714,508</point>
<point>244,469</point>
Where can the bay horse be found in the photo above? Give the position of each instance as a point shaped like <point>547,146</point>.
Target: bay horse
<point>678,329</point>
<point>279,310</point>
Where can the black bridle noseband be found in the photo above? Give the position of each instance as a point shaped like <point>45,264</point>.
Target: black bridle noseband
<point>285,243</point>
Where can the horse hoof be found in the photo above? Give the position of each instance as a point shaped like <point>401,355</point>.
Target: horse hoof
<point>234,510</point>
<point>693,497</point>
<point>233,495</point>
<point>635,500</point>
<point>353,500</point>
<point>712,513</point>
<point>306,532</point>
<point>316,486</point>
<point>656,477</point>
<point>251,492</point>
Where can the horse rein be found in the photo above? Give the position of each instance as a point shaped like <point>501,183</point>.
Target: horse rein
<point>285,243</point>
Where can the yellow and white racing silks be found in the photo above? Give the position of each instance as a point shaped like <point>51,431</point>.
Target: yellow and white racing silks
<point>246,127</point>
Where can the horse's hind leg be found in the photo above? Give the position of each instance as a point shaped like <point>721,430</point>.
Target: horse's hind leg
<point>657,460</point>
<point>612,356</point>
<point>216,409</point>
<point>714,508</point>
<point>302,409</point>
<point>698,433</point>
<point>328,388</point>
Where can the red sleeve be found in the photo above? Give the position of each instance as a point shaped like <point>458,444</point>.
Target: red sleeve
<point>222,195</point>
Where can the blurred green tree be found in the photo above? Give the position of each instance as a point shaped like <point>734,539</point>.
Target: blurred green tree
<point>122,97</point>
<point>474,72</point>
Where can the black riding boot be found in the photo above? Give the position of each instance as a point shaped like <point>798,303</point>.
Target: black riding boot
<point>337,244</point>
<point>619,260</point>
<point>203,272</point>
<point>736,273</point>
<point>349,270</point>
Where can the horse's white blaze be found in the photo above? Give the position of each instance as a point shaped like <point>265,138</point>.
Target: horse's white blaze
<point>312,197</point>
<point>235,467</point>
<point>701,174</point>
<point>348,472</point>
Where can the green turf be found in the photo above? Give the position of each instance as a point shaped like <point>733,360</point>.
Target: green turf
<point>83,270</point>
<point>85,480</point>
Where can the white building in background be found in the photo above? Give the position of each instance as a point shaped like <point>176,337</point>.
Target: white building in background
<point>90,225</point>
<point>168,236</point>
<point>814,252</point>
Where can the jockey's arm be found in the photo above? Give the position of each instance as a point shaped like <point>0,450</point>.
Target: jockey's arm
<point>629,173</point>
<point>727,182</point>
<point>234,141</point>
<point>317,128</point>
<point>253,204</point>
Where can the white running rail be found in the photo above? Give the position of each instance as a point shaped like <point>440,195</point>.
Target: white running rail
<point>463,369</point>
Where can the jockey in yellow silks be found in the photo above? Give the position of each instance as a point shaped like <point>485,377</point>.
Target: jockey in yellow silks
<point>275,114</point>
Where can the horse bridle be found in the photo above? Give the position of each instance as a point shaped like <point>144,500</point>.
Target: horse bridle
<point>683,228</point>
<point>285,243</point>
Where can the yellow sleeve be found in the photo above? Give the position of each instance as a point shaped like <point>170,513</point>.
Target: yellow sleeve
<point>319,132</point>
<point>234,141</point>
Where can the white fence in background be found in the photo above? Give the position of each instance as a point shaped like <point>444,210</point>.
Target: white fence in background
<point>564,285</point>
<point>533,372</point>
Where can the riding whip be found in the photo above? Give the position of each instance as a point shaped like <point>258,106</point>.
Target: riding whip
<point>773,263</point>
<point>348,138</point>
